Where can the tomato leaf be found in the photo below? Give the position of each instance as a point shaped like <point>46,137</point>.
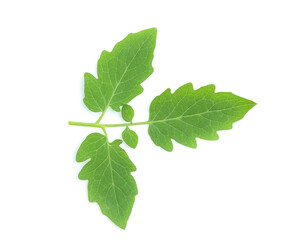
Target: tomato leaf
<point>127,113</point>
<point>187,114</point>
<point>120,72</point>
<point>183,116</point>
<point>130,137</point>
<point>110,183</point>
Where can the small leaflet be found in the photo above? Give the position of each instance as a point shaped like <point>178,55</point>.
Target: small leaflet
<point>130,137</point>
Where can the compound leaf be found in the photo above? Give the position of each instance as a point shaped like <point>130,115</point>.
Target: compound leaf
<point>120,72</point>
<point>110,183</point>
<point>188,114</point>
<point>127,113</point>
<point>183,116</point>
<point>130,137</point>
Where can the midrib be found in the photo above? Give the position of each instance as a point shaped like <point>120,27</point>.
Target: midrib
<point>192,115</point>
<point>114,91</point>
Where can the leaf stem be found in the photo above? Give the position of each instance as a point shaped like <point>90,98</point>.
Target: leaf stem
<point>102,126</point>
<point>105,133</point>
<point>101,116</point>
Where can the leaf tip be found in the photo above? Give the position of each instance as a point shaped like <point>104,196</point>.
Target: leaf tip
<point>116,142</point>
<point>115,108</point>
<point>251,104</point>
<point>168,147</point>
<point>152,30</point>
<point>211,87</point>
<point>122,225</point>
<point>88,76</point>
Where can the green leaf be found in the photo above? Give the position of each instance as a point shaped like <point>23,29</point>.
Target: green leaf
<point>110,183</point>
<point>127,113</point>
<point>188,114</point>
<point>130,137</point>
<point>183,116</point>
<point>120,72</point>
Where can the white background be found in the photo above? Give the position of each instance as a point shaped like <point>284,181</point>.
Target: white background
<point>229,189</point>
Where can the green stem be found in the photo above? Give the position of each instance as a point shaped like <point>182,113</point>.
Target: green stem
<point>97,125</point>
<point>105,133</point>
<point>101,116</point>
